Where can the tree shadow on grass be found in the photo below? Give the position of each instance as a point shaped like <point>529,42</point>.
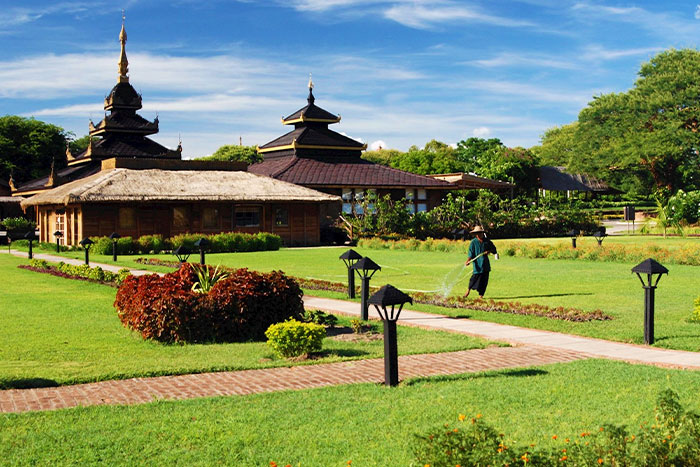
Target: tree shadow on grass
<point>684,336</point>
<point>28,383</point>
<point>513,372</point>
<point>541,296</point>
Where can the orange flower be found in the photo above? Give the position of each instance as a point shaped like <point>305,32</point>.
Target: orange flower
<point>566,440</point>
<point>455,430</point>
<point>554,437</point>
<point>273,464</point>
<point>349,462</point>
<point>462,417</point>
<point>563,458</point>
<point>600,461</point>
<point>584,434</point>
<point>478,415</point>
<point>601,429</point>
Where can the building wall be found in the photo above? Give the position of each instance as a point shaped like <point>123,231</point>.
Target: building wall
<point>298,224</point>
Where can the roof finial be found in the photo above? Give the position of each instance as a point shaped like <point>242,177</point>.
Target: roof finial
<point>123,62</point>
<point>311,99</point>
<point>11,182</point>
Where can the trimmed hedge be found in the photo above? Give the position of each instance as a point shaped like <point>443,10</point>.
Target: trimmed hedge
<point>225,242</point>
<point>85,272</point>
<point>238,308</point>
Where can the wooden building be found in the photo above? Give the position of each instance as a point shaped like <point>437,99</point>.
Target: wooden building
<point>141,197</point>
<point>314,156</point>
<point>557,179</point>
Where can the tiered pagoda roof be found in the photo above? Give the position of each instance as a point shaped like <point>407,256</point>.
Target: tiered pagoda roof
<point>314,155</point>
<point>122,133</point>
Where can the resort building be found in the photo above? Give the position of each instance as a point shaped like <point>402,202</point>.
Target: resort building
<point>127,183</point>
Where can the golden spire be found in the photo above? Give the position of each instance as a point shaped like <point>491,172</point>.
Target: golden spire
<point>123,62</point>
<point>311,83</point>
<point>310,99</point>
<point>11,182</point>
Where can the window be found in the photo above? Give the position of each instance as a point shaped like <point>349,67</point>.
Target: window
<point>410,194</point>
<point>281,217</point>
<point>347,200</point>
<point>127,218</point>
<point>60,225</point>
<point>210,218</point>
<point>247,216</point>
<point>422,194</point>
<point>181,218</point>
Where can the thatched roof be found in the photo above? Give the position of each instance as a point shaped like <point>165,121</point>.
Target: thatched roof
<point>466,181</point>
<point>127,185</point>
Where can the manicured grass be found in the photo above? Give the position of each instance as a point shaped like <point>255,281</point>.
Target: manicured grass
<point>61,331</point>
<point>589,285</point>
<point>368,424</point>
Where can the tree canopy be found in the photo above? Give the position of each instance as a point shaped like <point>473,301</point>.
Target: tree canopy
<point>28,147</point>
<point>645,140</point>
<point>235,153</point>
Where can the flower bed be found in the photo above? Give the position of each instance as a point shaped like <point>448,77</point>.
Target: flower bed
<point>83,272</point>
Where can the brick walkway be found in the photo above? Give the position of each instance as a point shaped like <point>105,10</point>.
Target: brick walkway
<point>141,390</point>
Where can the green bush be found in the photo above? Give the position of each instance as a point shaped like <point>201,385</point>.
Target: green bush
<point>18,223</point>
<point>293,338</point>
<point>672,440</point>
<point>684,207</point>
<point>82,271</point>
<point>319,317</point>
<point>696,311</point>
<point>152,244</point>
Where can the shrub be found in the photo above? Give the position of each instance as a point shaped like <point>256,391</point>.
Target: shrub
<point>95,274</point>
<point>151,244</point>
<point>674,439</point>
<point>293,338</point>
<point>319,317</point>
<point>696,311</point>
<point>238,308</point>
<point>18,223</point>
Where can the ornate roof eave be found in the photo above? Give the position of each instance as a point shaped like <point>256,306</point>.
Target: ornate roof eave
<point>303,119</point>
<point>296,145</point>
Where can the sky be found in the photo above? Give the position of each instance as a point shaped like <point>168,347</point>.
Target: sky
<point>399,72</point>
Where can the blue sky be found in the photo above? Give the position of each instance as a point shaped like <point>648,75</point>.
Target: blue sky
<point>399,72</point>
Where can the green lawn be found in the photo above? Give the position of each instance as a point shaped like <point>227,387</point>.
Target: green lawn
<point>62,331</point>
<point>369,424</point>
<point>573,283</point>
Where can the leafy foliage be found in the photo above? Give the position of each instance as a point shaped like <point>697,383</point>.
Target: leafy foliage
<point>238,308</point>
<point>234,153</point>
<point>17,223</point>
<point>319,317</point>
<point>83,271</point>
<point>28,147</point>
<point>206,277</point>
<point>674,439</point>
<point>293,338</point>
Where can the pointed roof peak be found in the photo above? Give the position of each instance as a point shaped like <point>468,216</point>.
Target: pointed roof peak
<point>123,62</point>
<point>311,98</point>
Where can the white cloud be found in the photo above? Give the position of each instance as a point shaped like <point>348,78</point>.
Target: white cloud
<point>697,12</point>
<point>596,53</point>
<point>481,132</point>
<point>376,145</point>
<point>18,16</point>
<point>524,91</point>
<point>510,59</point>
<point>427,14</point>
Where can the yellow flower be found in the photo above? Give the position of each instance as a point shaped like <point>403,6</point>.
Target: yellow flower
<point>478,415</point>
<point>462,417</point>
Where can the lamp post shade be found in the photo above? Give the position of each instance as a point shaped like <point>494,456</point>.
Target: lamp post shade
<point>350,257</point>
<point>182,253</point>
<point>202,244</point>
<point>600,236</point>
<point>651,268</point>
<point>86,243</point>
<point>114,236</point>
<point>573,233</point>
<point>58,234</point>
<point>389,296</point>
<point>366,268</point>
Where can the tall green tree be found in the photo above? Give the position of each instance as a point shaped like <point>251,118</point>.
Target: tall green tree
<point>559,146</point>
<point>646,139</point>
<point>476,152</point>
<point>79,145</point>
<point>234,153</point>
<point>436,157</point>
<point>28,147</point>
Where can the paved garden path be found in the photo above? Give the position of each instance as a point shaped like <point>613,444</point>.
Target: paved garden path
<point>531,347</point>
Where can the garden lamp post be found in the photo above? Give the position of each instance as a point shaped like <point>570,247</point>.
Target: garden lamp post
<point>390,296</point>
<point>86,243</point>
<point>202,244</point>
<point>182,253</point>
<point>350,257</point>
<point>114,237</point>
<point>58,234</point>
<point>573,234</point>
<point>366,269</point>
<point>650,268</point>
<point>600,236</point>
<point>30,237</point>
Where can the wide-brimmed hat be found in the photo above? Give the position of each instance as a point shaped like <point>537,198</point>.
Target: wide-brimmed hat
<point>477,229</point>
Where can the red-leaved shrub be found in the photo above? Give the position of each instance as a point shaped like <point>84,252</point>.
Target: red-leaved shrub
<point>238,308</point>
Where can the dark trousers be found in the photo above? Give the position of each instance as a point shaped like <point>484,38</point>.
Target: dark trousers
<point>479,282</point>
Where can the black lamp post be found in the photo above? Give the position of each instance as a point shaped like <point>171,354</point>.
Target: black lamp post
<point>31,237</point>
<point>650,268</point>
<point>573,234</point>
<point>58,234</point>
<point>114,237</point>
<point>86,243</point>
<point>600,236</point>
<point>182,253</point>
<point>385,297</point>
<point>366,269</point>
<point>202,244</point>
<point>350,257</point>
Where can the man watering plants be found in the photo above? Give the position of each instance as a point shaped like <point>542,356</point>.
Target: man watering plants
<point>478,255</point>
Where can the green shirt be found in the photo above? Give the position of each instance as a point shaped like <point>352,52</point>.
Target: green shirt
<point>481,264</point>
